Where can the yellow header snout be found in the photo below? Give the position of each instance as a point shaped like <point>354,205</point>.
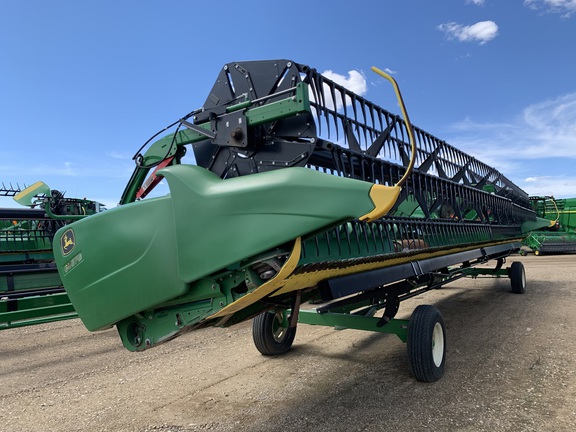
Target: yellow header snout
<point>384,198</point>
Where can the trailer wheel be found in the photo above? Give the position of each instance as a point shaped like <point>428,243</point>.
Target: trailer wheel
<point>517,278</point>
<point>427,344</point>
<point>272,333</point>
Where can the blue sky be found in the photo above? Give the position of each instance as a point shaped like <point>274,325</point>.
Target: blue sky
<point>84,84</point>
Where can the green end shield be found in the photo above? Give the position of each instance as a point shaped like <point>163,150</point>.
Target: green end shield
<point>135,257</point>
<point>536,224</point>
<point>26,197</point>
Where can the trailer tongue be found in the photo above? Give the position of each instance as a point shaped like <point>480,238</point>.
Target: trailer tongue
<point>302,190</point>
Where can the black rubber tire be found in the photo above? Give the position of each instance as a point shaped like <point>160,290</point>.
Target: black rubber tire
<point>270,336</point>
<point>427,344</point>
<point>517,278</point>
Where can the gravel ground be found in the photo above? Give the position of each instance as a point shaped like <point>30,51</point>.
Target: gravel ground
<point>510,367</point>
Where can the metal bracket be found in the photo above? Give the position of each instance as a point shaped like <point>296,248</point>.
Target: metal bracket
<point>232,130</point>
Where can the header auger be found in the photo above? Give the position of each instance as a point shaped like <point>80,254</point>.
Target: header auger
<point>302,190</point>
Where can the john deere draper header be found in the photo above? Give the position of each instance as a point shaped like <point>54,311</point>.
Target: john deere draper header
<point>301,190</point>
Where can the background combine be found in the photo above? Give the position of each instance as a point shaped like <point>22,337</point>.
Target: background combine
<point>298,190</point>
<point>31,291</point>
<point>560,237</point>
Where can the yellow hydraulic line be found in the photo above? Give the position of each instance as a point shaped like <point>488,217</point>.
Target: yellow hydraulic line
<point>557,213</point>
<point>406,120</point>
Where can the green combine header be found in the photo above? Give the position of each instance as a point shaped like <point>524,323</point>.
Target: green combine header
<point>31,291</point>
<point>299,190</point>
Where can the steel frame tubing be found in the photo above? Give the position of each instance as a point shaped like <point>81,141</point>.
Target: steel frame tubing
<point>397,327</point>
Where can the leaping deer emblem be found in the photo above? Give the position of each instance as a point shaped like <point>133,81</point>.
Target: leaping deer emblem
<point>67,242</point>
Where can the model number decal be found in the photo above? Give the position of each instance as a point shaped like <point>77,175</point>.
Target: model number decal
<point>77,259</point>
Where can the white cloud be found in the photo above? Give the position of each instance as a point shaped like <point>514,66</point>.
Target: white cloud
<point>475,2</point>
<point>482,32</point>
<point>544,129</point>
<point>41,171</point>
<point>564,7</point>
<point>355,82</point>
<point>537,149</point>
<point>119,155</point>
<point>562,186</point>
<point>554,125</point>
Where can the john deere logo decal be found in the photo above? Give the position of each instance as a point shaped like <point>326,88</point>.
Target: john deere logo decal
<point>67,242</point>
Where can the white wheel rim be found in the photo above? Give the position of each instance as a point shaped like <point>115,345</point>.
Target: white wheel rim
<point>437,344</point>
<point>278,332</point>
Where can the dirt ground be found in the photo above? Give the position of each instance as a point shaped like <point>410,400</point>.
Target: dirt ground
<point>510,367</point>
